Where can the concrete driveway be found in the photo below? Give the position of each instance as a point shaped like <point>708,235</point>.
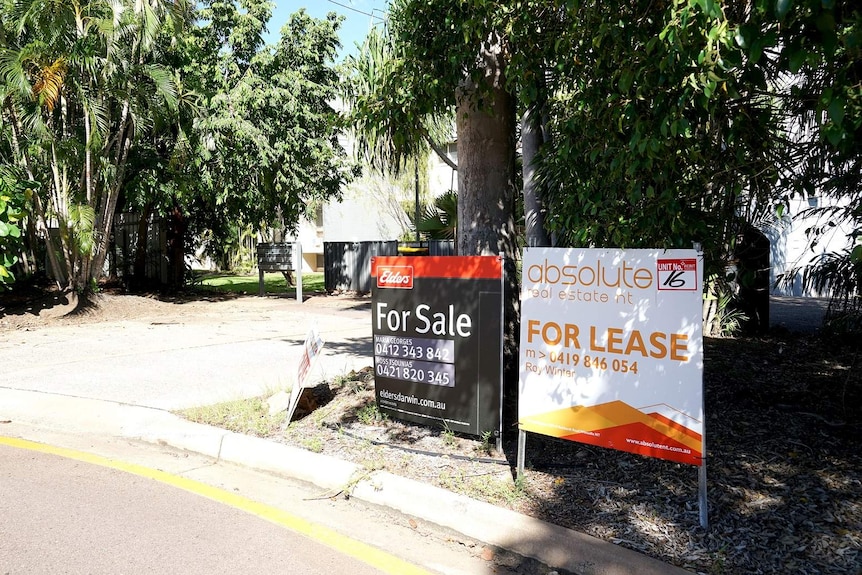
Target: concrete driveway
<point>172,356</point>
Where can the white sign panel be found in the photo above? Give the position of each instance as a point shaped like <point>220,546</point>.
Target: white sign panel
<point>612,349</point>
<point>310,350</point>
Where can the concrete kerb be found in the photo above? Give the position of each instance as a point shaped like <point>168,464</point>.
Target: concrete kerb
<point>324,471</point>
<point>550,544</point>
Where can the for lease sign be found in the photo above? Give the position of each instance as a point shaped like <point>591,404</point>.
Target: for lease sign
<point>612,349</point>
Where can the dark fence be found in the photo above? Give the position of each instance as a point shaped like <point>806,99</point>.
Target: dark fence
<point>347,265</point>
<point>441,247</point>
<point>126,231</point>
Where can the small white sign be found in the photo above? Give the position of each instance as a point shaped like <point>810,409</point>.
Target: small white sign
<point>310,351</point>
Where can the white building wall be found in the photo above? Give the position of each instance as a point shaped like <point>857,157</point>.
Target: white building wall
<point>791,246</point>
<point>370,210</point>
<point>441,177</point>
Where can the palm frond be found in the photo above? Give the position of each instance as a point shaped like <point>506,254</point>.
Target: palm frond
<point>163,81</point>
<point>13,72</point>
<point>440,221</point>
<point>49,83</point>
<point>80,221</point>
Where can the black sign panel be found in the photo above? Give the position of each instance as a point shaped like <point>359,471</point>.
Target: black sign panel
<point>275,257</point>
<point>438,340</point>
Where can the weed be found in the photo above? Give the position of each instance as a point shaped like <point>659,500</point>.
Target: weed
<point>353,382</point>
<point>356,386</point>
<point>370,414</point>
<point>719,560</point>
<point>313,444</point>
<point>452,480</point>
<point>488,443</point>
<point>495,489</point>
<point>375,458</point>
<point>448,436</point>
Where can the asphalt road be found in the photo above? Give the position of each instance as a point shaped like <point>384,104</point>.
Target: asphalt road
<point>108,506</point>
<point>66,516</point>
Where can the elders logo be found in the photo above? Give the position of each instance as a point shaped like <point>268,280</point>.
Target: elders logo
<point>399,277</point>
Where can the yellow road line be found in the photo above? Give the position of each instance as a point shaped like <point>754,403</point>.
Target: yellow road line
<point>366,553</point>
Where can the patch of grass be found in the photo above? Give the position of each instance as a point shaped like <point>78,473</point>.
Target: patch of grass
<point>497,488</point>
<point>488,443</point>
<point>248,416</point>
<point>249,283</point>
<point>492,488</point>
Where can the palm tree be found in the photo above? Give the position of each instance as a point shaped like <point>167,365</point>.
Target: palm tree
<point>81,87</point>
<point>440,221</point>
<point>389,127</point>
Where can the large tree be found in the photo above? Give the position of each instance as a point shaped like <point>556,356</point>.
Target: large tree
<point>693,121</point>
<point>658,140</point>
<point>454,55</point>
<point>166,108</point>
<point>267,142</point>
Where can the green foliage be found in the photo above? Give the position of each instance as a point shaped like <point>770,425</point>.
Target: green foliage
<point>840,275</point>
<point>656,142</point>
<point>370,414</point>
<point>438,43</point>
<point>487,444</point>
<point>83,84</point>
<point>383,114</point>
<point>266,146</point>
<point>13,198</point>
<point>669,123</point>
<point>178,106</point>
<point>392,130</point>
<point>448,436</point>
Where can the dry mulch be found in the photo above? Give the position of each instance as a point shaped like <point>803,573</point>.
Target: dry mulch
<point>784,419</point>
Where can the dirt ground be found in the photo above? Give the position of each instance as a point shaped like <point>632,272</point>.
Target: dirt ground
<point>784,418</point>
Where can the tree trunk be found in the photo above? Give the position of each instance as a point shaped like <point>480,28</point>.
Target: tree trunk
<point>532,139</point>
<point>107,204</point>
<point>55,269</point>
<point>486,188</point>
<point>486,166</point>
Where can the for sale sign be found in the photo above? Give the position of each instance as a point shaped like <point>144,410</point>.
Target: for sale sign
<point>612,349</point>
<point>438,339</point>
